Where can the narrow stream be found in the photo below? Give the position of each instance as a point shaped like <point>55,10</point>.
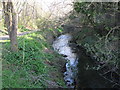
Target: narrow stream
<point>89,78</point>
<point>61,45</point>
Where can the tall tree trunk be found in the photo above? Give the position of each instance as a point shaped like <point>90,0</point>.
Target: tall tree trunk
<point>11,24</point>
<point>13,33</point>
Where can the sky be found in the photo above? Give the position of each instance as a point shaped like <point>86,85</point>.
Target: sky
<point>46,4</point>
<point>56,7</point>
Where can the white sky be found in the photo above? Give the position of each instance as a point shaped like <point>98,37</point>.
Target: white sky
<point>46,4</point>
<point>56,7</point>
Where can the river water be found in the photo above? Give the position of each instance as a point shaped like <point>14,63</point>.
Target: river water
<point>61,45</point>
<point>88,77</point>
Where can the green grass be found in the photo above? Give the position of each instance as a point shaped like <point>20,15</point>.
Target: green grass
<point>22,28</point>
<point>31,66</point>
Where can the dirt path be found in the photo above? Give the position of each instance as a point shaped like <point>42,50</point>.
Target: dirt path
<point>6,37</point>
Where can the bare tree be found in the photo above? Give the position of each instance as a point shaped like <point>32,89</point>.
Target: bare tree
<point>11,23</point>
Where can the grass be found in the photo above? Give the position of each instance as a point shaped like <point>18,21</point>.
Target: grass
<point>35,65</point>
<point>22,28</point>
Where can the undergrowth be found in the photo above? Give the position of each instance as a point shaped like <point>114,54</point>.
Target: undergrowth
<point>22,28</point>
<point>32,66</point>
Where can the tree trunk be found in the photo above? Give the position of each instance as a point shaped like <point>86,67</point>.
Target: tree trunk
<point>13,33</point>
<point>11,24</point>
<point>4,14</point>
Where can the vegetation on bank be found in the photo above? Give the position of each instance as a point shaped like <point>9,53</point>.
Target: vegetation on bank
<point>35,65</point>
<point>93,25</point>
<point>97,28</point>
<point>100,31</point>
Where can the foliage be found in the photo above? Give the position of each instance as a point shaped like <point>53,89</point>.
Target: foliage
<point>102,16</point>
<point>40,23</point>
<point>105,52</point>
<point>31,66</point>
<point>101,38</point>
<point>22,28</point>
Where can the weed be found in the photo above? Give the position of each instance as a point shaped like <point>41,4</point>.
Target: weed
<point>27,68</point>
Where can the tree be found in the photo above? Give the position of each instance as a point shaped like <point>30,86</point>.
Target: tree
<point>11,23</point>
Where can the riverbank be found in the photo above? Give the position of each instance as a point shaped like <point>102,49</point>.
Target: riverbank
<point>35,65</point>
<point>96,30</point>
<point>98,65</point>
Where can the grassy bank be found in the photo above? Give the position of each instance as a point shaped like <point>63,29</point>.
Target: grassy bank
<point>35,65</point>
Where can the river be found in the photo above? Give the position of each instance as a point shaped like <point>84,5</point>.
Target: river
<point>61,45</point>
<point>76,66</point>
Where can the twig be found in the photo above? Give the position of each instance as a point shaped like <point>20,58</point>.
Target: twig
<point>111,31</point>
<point>106,37</point>
<point>109,80</point>
<point>106,72</point>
